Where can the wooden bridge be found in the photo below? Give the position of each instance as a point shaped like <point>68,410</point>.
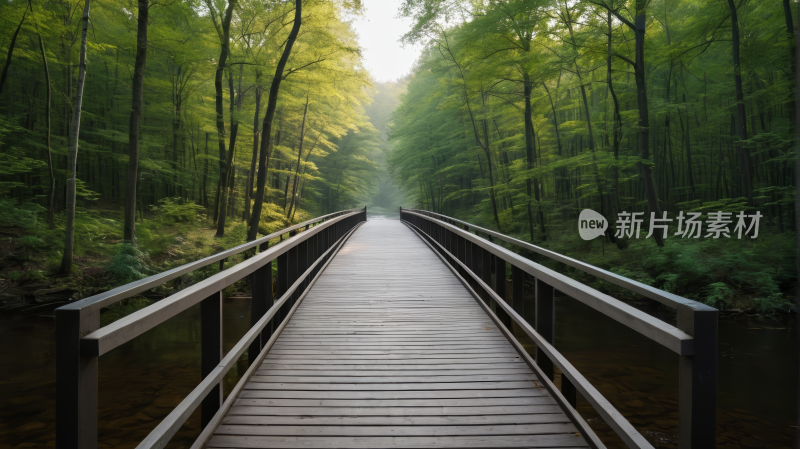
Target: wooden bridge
<point>386,334</point>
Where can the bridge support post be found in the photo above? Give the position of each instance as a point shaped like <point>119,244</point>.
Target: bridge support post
<point>261,302</point>
<point>545,323</point>
<point>697,394</point>
<point>500,278</point>
<point>210,352</point>
<point>518,290</point>
<point>76,380</point>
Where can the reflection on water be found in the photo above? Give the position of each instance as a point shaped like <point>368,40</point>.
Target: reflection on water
<point>140,382</point>
<point>757,377</point>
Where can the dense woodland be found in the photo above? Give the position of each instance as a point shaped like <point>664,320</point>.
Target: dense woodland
<point>238,116</point>
<point>520,114</point>
<point>130,128</point>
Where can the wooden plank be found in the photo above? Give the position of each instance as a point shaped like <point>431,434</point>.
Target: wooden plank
<point>397,411</point>
<point>370,372</point>
<point>394,379</point>
<point>392,403</point>
<point>397,431</point>
<point>484,420</point>
<point>413,394</point>
<point>393,386</point>
<point>394,368</point>
<point>522,441</point>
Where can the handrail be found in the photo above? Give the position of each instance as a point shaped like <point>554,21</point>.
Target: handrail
<point>166,429</point>
<point>666,298</point>
<point>80,340</point>
<point>607,411</point>
<point>125,329</point>
<point>663,333</point>
<point>694,339</point>
<point>117,294</point>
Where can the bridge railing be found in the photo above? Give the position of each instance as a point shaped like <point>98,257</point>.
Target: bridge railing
<point>81,340</point>
<point>694,340</point>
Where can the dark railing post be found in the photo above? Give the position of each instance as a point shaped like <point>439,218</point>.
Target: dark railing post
<point>518,290</point>
<point>545,323</point>
<point>486,267</point>
<point>302,263</point>
<point>260,303</point>
<point>292,271</point>
<point>76,380</point>
<point>697,394</point>
<point>283,285</point>
<point>210,352</point>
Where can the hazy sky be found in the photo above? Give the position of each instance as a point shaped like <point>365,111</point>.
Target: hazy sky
<point>379,32</point>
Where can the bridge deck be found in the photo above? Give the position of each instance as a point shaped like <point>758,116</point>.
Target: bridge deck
<point>388,349</point>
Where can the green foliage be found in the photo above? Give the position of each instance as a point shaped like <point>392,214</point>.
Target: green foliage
<point>24,216</point>
<point>130,263</point>
<point>32,242</point>
<point>171,210</point>
<point>719,295</point>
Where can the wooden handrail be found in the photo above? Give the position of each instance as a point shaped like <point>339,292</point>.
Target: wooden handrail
<point>651,327</point>
<point>604,408</point>
<point>694,339</point>
<point>80,340</point>
<point>125,329</point>
<point>666,298</point>
<point>166,429</point>
<point>114,295</point>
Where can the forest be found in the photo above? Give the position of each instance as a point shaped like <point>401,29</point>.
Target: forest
<point>136,136</point>
<point>139,136</point>
<point>521,114</point>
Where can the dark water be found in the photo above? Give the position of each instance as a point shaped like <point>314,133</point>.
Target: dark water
<point>141,381</point>
<point>758,380</point>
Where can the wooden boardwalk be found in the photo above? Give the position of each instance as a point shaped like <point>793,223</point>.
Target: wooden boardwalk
<point>388,349</point>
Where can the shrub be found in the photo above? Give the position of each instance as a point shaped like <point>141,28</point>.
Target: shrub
<point>130,263</point>
<point>24,216</point>
<point>171,210</point>
<point>32,242</point>
<point>719,295</point>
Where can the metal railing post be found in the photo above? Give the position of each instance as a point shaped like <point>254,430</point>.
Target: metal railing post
<point>292,270</point>
<point>260,303</point>
<point>545,323</point>
<point>697,384</point>
<point>500,277</point>
<point>210,352</point>
<point>518,290</point>
<point>76,381</point>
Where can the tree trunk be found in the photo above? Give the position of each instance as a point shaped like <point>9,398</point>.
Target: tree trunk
<point>223,160</point>
<point>69,234</point>
<point>527,88</point>
<point>51,195</point>
<point>617,132</point>
<point>268,118</point>
<point>787,12</point>
<point>11,49</point>
<point>299,158</point>
<point>251,174</point>
<point>137,99</point>
<point>746,172</point>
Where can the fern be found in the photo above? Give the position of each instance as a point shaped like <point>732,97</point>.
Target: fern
<point>130,263</point>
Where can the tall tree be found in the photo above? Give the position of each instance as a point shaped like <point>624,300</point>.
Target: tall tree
<point>137,99</point>
<point>224,33</point>
<point>266,133</point>
<point>74,131</point>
